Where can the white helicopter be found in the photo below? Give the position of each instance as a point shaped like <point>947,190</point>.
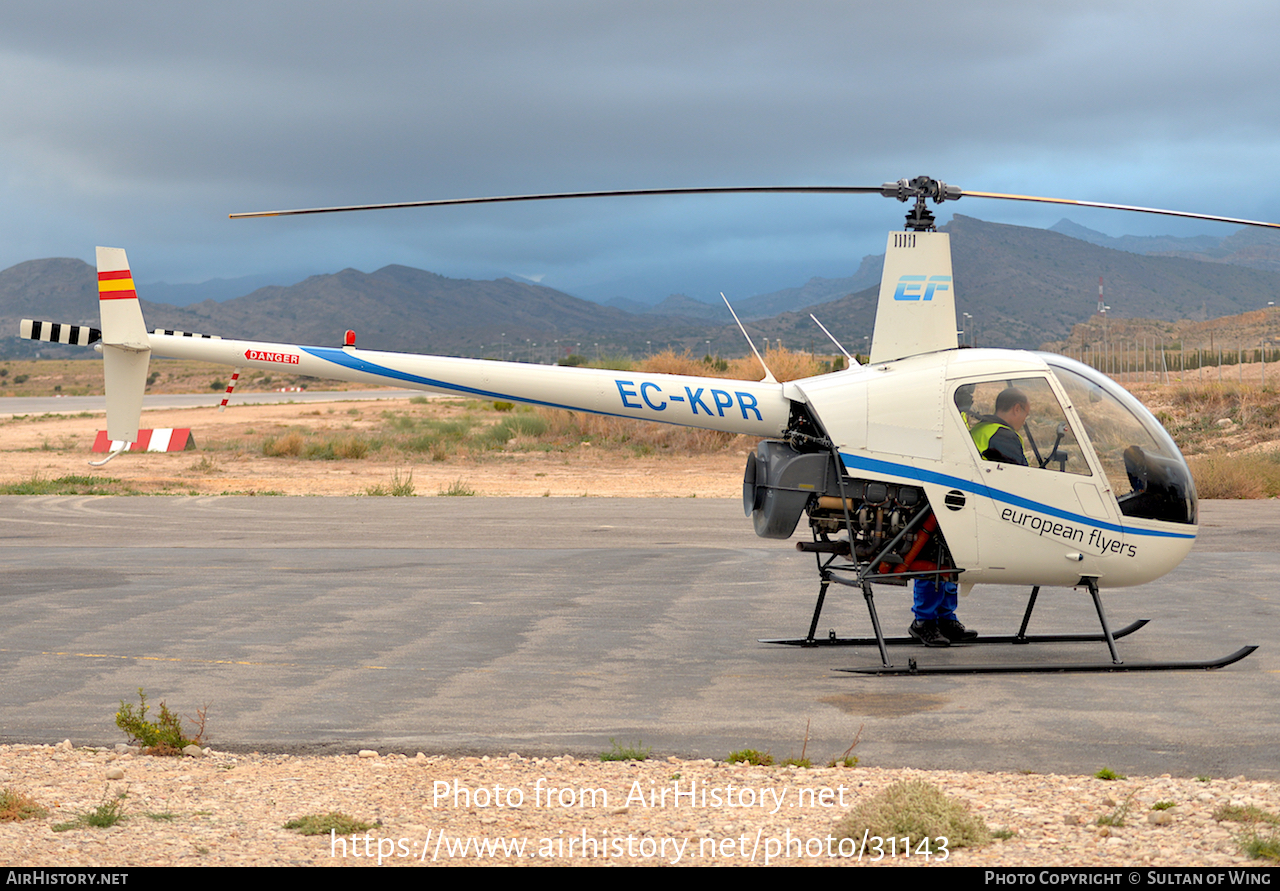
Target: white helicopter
<point>879,456</point>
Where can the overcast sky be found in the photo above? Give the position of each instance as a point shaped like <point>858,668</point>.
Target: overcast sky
<point>142,125</point>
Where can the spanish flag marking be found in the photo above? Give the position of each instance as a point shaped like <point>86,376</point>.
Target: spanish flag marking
<point>116,285</point>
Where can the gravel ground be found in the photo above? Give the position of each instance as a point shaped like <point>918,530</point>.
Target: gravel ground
<point>230,809</point>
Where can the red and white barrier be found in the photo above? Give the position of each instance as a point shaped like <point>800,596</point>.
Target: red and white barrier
<point>163,439</point>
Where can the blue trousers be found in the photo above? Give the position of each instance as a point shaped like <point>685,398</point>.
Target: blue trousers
<point>935,602</point>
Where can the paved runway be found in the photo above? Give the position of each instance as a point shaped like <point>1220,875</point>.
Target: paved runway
<point>550,625</point>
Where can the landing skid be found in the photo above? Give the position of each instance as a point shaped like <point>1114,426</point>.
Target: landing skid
<point>913,668</point>
<point>832,641</point>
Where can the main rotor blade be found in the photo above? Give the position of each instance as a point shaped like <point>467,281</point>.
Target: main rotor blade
<point>742,190</point>
<point>903,190</point>
<point>1169,213</point>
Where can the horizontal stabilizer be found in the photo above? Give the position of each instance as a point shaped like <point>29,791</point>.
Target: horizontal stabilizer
<point>59,332</point>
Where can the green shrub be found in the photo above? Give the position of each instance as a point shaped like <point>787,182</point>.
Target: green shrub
<point>17,806</point>
<point>918,810</point>
<point>458,488</point>
<point>104,816</point>
<point>750,756</point>
<point>1246,813</point>
<point>162,737</point>
<point>638,752</point>
<point>323,824</point>
<point>1261,847</point>
<point>400,486</point>
<point>1117,816</point>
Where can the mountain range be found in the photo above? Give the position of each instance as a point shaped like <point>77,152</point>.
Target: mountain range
<point>1015,287</point>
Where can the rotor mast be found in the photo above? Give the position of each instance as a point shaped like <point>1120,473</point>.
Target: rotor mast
<point>920,218</point>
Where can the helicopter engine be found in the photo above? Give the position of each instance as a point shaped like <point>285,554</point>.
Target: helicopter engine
<point>889,523</point>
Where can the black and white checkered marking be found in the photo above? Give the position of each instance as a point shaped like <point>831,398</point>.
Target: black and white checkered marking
<point>186,334</point>
<point>57,332</point>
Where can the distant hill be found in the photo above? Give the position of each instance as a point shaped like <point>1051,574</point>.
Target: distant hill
<point>60,287</point>
<point>400,308</point>
<point>1020,286</point>
<point>814,291</point>
<point>1026,286</point>
<point>1138,244</point>
<point>395,308</point>
<point>1251,247</point>
<point>214,289</point>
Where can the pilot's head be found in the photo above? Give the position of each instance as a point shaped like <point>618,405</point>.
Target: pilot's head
<point>1013,407</point>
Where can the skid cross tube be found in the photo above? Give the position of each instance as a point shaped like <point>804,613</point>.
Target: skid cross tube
<point>985,640</point>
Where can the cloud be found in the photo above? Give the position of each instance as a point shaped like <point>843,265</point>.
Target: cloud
<point>132,122</point>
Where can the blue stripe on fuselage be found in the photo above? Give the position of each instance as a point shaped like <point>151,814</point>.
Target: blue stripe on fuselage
<point>928,476</point>
<point>346,360</point>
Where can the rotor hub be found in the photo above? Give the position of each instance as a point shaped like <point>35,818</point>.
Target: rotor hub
<point>920,219</point>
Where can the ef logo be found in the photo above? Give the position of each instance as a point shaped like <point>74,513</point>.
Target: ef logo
<point>920,287</point>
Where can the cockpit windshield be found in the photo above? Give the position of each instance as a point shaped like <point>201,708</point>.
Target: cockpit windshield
<point>1147,473</point>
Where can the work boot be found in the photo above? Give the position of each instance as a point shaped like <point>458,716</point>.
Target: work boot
<point>955,632</point>
<point>928,634</point>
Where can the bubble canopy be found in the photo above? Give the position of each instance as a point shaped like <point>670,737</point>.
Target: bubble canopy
<point>1147,473</point>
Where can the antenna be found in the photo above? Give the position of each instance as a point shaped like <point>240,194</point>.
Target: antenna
<point>768,375</point>
<point>852,360</point>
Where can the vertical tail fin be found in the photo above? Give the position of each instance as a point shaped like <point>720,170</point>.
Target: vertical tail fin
<point>126,349</point>
<point>917,310</point>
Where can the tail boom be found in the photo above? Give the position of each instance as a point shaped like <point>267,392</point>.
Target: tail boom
<point>757,408</point>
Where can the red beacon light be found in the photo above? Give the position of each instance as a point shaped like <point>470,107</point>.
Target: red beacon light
<point>349,339</point>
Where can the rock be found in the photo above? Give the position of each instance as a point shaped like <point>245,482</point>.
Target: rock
<point>368,753</point>
<point>115,773</point>
<point>193,751</point>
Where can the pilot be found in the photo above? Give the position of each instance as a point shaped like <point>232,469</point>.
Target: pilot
<point>996,436</point>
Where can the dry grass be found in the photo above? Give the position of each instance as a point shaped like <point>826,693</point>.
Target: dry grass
<point>786,365</point>
<point>1236,476</point>
<point>566,429</point>
<point>919,811</point>
<point>18,806</point>
<point>1230,433</point>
